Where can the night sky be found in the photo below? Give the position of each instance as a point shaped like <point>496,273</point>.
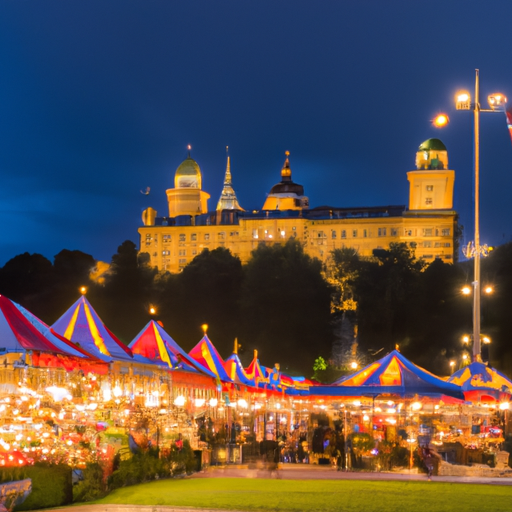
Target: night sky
<point>99,100</point>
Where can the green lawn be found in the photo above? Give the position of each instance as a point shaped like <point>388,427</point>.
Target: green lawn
<point>317,495</point>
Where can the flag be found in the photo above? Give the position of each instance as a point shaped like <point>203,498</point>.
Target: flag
<point>508,113</point>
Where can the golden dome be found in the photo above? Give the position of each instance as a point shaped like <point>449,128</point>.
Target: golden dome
<point>188,174</point>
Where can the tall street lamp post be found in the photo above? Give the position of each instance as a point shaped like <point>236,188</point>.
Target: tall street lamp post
<point>474,250</point>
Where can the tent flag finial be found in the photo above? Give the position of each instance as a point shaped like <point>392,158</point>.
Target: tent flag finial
<point>397,347</point>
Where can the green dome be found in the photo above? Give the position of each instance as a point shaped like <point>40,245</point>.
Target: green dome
<point>188,167</point>
<point>432,144</point>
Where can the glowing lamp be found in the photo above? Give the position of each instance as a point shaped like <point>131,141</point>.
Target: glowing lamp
<point>463,100</point>
<point>488,290</point>
<point>416,406</point>
<point>353,365</point>
<point>199,402</point>
<point>465,339</point>
<point>496,100</point>
<point>441,120</point>
<point>486,340</point>
<point>504,406</point>
<point>179,401</point>
<point>466,290</point>
<point>83,290</point>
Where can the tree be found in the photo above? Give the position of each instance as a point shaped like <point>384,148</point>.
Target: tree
<point>124,301</point>
<point>206,292</point>
<point>285,307</point>
<point>387,296</point>
<point>341,272</point>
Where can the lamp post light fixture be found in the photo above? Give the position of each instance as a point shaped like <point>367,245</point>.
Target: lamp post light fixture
<point>497,102</point>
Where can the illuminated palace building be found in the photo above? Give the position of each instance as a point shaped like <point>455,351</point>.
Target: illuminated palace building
<point>428,224</point>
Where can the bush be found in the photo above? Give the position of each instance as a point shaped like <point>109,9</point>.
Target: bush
<point>51,486</point>
<point>92,487</point>
<point>141,467</point>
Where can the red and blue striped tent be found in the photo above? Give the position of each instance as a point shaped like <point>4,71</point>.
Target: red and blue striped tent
<point>255,371</point>
<point>206,355</point>
<point>482,383</point>
<point>394,375</point>
<point>235,370</point>
<point>155,344</point>
<point>82,325</point>
<point>22,332</point>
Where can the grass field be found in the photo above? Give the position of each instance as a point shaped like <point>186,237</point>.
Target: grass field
<point>315,495</point>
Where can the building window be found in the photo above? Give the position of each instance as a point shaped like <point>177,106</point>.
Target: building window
<point>365,233</point>
<point>413,245</point>
<point>437,244</point>
<point>321,234</point>
<point>354,233</point>
<point>183,252</point>
<point>427,232</point>
<point>445,232</point>
<point>222,235</point>
<point>183,262</point>
<point>233,233</point>
<point>294,228</point>
<point>255,233</point>
<point>343,234</point>
<point>428,201</point>
<point>183,238</point>
<point>166,253</point>
<point>382,232</point>
<point>166,238</point>
<point>430,188</point>
<point>447,244</point>
<point>207,236</point>
<point>394,232</point>
<point>193,237</point>
<point>427,244</point>
<point>448,257</point>
<point>194,252</point>
<point>427,256</point>
<point>333,234</point>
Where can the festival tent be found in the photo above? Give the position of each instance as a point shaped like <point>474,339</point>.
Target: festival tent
<point>82,325</point>
<point>482,383</point>
<point>256,372</point>
<point>235,370</point>
<point>22,332</point>
<point>155,344</point>
<point>393,374</point>
<point>206,355</point>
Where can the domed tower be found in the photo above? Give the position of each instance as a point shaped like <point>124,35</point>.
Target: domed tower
<point>286,195</point>
<point>431,184</point>
<point>187,198</point>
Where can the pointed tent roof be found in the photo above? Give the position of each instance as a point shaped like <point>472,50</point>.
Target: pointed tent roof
<point>21,331</point>
<point>479,381</point>
<point>234,368</point>
<point>154,343</point>
<point>254,371</point>
<point>393,374</point>
<point>206,355</point>
<point>82,325</point>
<point>228,200</point>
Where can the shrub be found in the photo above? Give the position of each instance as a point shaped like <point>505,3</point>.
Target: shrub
<point>92,487</point>
<point>51,486</point>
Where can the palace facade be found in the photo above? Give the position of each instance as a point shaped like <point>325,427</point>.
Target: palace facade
<point>428,224</point>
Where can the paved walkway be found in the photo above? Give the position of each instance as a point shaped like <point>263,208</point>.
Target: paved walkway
<point>286,472</point>
<point>314,472</point>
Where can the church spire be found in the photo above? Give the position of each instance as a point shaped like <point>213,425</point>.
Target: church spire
<point>228,200</point>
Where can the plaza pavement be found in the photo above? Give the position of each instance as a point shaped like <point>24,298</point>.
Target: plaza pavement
<point>286,472</point>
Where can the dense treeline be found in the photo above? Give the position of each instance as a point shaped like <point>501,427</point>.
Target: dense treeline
<point>282,302</point>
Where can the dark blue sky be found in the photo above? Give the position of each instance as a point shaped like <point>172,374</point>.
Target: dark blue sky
<point>100,99</point>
